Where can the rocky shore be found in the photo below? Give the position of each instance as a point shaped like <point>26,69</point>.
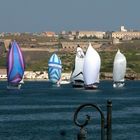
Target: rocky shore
<point>128,76</point>
<point>36,75</point>
<point>43,75</point>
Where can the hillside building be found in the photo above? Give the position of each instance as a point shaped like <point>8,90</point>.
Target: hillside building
<point>97,34</point>
<point>125,34</point>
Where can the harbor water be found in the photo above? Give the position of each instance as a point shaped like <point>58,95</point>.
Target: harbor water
<point>40,111</point>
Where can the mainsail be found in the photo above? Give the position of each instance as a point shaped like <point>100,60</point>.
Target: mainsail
<point>77,74</point>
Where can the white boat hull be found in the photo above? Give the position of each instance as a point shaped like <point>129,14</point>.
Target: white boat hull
<point>78,84</point>
<point>11,86</point>
<point>91,86</point>
<point>64,82</point>
<point>118,84</point>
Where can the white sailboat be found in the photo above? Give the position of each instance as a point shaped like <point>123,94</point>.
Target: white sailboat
<point>77,79</point>
<point>91,68</point>
<point>119,69</point>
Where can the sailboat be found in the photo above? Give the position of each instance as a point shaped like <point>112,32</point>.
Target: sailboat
<point>91,68</point>
<point>77,78</point>
<point>15,66</point>
<point>119,69</point>
<point>54,69</point>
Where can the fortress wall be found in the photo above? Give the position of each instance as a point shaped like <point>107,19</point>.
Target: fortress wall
<point>83,45</point>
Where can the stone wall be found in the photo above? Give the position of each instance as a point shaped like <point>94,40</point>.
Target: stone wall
<point>83,45</point>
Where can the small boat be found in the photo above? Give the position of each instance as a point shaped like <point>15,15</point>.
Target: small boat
<point>54,69</point>
<point>15,66</point>
<point>65,82</point>
<point>77,79</point>
<point>119,70</point>
<point>91,68</point>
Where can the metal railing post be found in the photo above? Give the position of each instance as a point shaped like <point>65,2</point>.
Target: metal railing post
<point>82,134</point>
<point>109,120</point>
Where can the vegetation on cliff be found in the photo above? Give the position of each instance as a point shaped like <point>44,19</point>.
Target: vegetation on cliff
<point>38,60</point>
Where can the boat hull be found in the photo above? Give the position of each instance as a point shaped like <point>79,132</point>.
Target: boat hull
<point>78,84</point>
<point>118,84</point>
<point>91,87</point>
<point>13,86</point>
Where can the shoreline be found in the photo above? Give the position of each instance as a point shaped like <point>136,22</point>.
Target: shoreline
<point>43,75</point>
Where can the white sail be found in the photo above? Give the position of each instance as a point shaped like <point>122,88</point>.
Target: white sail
<point>92,64</point>
<point>77,73</point>
<point>119,67</point>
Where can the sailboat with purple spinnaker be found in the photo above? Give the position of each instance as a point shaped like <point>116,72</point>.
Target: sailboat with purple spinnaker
<point>15,66</point>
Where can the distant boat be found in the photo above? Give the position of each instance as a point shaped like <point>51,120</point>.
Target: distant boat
<point>15,66</point>
<point>119,70</point>
<point>91,68</point>
<point>77,78</point>
<point>54,69</point>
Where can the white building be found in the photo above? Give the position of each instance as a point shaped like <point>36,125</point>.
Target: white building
<point>122,35</point>
<point>126,34</point>
<point>97,34</point>
<point>122,29</point>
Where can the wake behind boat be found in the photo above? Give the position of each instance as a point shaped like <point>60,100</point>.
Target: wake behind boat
<point>54,69</point>
<point>15,66</point>
<point>119,70</point>
<point>77,79</point>
<point>91,68</point>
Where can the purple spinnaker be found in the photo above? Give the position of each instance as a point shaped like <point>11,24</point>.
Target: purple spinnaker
<point>15,64</point>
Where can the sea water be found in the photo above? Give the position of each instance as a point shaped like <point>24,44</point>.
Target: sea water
<point>40,111</point>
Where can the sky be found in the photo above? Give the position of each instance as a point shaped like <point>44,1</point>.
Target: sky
<point>68,15</point>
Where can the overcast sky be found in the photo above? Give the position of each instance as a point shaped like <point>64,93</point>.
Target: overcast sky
<point>58,15</point>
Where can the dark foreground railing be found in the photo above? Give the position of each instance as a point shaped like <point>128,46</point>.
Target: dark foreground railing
<point>106,127</point>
